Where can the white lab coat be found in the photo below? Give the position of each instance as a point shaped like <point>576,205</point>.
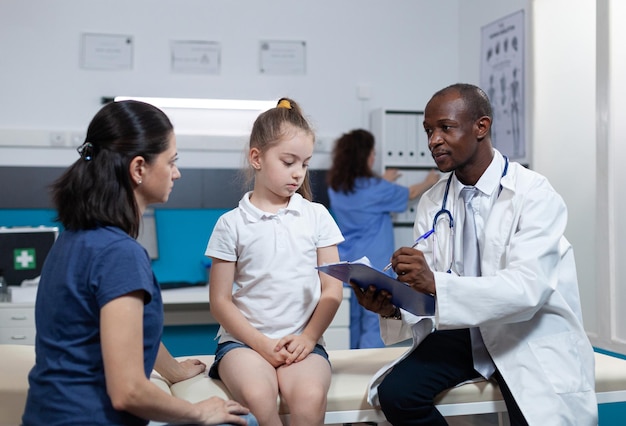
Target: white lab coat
<point>526,302</point>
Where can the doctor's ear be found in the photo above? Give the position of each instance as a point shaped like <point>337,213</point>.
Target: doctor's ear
<point>482,126</point>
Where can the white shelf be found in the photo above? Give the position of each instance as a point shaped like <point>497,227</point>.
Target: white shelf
<point>402,143</point>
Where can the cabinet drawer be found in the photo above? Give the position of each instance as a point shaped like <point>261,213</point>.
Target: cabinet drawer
<point>17,335</point>
<point>17,317</point>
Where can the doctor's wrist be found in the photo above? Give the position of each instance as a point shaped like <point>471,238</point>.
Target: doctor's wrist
<point>396,314</point>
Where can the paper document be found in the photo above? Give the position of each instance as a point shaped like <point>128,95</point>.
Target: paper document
<point>363,274</point>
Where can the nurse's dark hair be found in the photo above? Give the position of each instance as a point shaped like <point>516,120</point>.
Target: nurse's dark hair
<point>476,100</point>
<point>97,189</point>
<point>350,160</point>
<point>271,126</point>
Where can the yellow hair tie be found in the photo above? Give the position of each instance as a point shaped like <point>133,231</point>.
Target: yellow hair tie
<point>284,103</point>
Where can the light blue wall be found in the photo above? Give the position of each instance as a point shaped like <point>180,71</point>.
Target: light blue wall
<point>182,237</point>
<point>27,217</point>
<point>612,414</point>
<point>184,340</point>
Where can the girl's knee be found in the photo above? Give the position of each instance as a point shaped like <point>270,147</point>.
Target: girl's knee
<point>308,398</point>
<point>259,396</point>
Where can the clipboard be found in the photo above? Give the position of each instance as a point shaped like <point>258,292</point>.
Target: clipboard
<point>363,275</point>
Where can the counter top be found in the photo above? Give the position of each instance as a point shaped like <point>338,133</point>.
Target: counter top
<point>186,295</point>
<point>177,296</point>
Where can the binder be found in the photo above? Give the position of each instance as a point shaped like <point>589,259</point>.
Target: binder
<point>363,275</point>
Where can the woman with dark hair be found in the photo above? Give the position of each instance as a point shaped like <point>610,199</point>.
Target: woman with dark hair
<point>362,203</point>
<point>99,313</point>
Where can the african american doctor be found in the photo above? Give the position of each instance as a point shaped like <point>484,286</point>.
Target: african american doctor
<point>515,315</point>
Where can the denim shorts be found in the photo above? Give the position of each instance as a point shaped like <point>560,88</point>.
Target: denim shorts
<point>224,348</point>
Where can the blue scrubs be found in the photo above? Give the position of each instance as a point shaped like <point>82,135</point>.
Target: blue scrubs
<point>364,217</point>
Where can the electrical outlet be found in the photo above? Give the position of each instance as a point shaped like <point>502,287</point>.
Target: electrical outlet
<point>57,139</point>
<point>363,92</point>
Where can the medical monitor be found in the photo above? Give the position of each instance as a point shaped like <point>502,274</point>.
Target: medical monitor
<point>23,251</point>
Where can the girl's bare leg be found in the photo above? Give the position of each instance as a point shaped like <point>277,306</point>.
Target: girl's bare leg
<point>252,381</point>
<point>304,387</point>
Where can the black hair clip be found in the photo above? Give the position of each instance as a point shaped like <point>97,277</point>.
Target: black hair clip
<point>86,151</point>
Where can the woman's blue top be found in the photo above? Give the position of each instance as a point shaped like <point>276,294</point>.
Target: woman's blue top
<point>83,272</point>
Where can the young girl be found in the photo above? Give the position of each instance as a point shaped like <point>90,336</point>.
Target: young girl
<point>273,317</point>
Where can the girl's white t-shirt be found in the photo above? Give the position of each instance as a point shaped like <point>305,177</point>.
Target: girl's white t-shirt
<point>276,284</point>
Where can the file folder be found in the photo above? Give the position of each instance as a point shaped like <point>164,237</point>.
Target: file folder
<point>363,275</point>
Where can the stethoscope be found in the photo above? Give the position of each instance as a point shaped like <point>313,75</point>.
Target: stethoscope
<point>445,212</point>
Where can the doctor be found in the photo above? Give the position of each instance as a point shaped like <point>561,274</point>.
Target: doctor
<point>516,316</point>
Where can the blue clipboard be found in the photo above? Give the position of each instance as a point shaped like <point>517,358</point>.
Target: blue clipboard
<point>402,295</point>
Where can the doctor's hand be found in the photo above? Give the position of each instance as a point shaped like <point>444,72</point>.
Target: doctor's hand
<point>373,300</point>
<point>412,269</point>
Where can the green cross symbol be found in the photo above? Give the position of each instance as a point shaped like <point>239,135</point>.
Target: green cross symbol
<point>24,258</point>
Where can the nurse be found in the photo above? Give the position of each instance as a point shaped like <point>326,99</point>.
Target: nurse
<point>514,315</point>
<point>362,203</point>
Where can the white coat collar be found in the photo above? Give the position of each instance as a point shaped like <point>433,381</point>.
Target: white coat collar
<point>489,182</point>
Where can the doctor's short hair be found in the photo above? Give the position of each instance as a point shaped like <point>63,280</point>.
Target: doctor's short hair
<point>475,98</point>
<point>97,190</point>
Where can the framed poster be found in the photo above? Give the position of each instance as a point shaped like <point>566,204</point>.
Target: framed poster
<point>502,78</point>
<point>106,52</point>
<point>282,57</point>
<point>195,57</point>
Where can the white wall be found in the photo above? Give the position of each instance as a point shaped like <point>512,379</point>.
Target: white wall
<point>384,45</point>
<point>615,156</point>
<point>564,128</point>
<point>611,153</point>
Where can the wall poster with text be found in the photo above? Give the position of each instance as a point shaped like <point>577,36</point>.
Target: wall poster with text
<point>502,78</point>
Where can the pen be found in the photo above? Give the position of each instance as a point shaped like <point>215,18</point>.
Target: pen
<point>420,238</point>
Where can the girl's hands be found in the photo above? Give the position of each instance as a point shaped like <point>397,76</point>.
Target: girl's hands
<point>297,346</point>
<point>272,353</point>
<point>291,348</point>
